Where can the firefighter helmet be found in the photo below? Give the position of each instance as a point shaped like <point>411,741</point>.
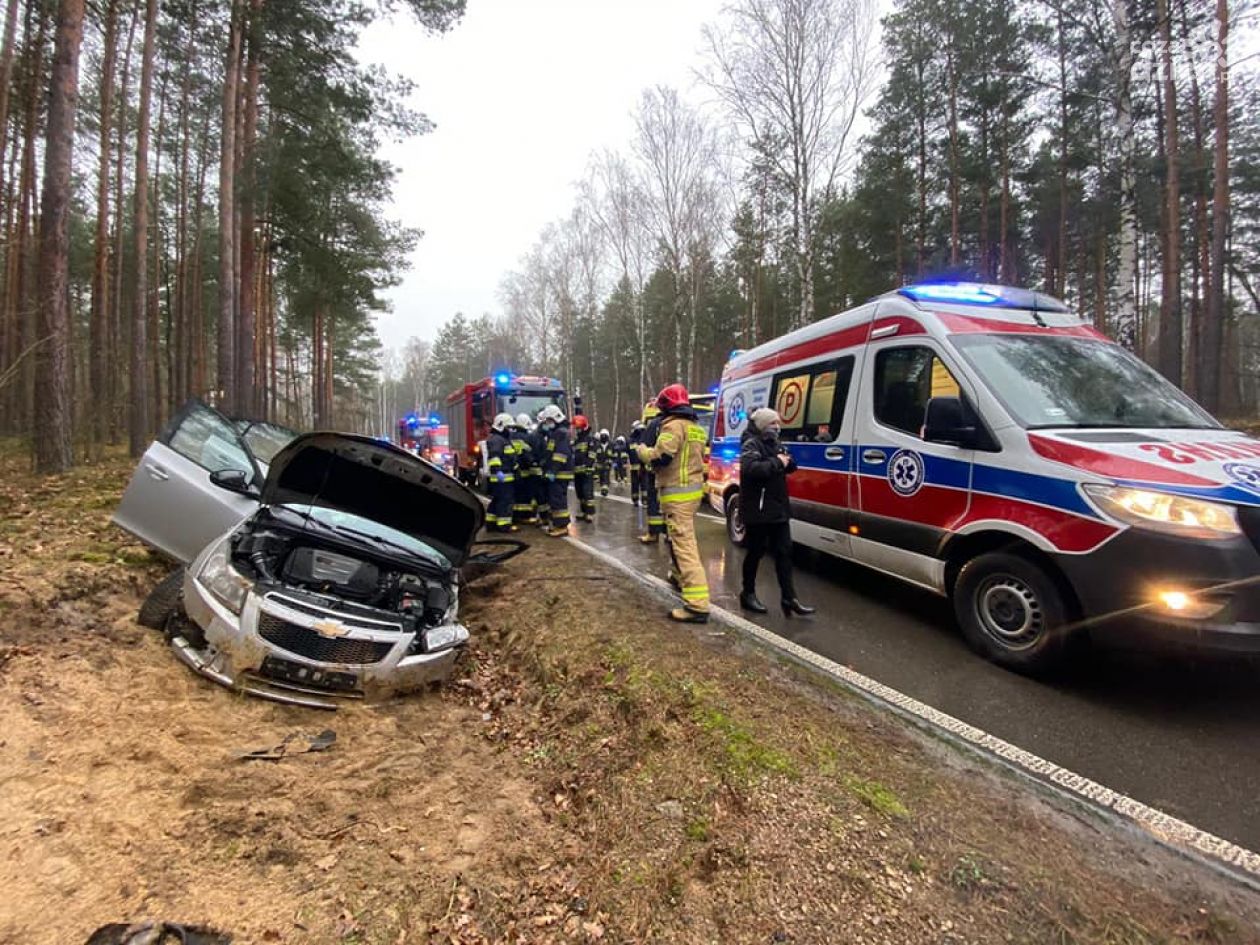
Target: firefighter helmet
<point>620,441</point>
<point>650,411</point>
<point>636,425</point>
<point>603,436</point>
<point>523,421</point>
<point>581,423</point>
<point>673,397</point>
<point>551,414</point>
<point>501,422</point>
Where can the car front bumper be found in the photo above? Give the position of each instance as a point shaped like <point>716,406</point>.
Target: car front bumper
<point>377,662</point>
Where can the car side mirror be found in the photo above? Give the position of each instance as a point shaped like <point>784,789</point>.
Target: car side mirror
<point>481,563</point>
<point>947,420</point>
<point>234,480</point>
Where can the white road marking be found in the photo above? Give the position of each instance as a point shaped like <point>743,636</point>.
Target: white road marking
<point>1234,861</point>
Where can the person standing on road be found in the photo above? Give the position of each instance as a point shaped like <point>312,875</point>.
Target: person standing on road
<point>557,466</point>
<point>501,463</point>
<point>620,459</point>
<point>525,500</point>
<point>603,461</point>
<point>584,468</point>
<point>651,498</point>
<point>542,499</point>
<point>636,467</point>
<point>677,458</point>
<point>764,465</point>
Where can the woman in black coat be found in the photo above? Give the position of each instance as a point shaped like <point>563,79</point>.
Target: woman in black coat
<point>764,465</point>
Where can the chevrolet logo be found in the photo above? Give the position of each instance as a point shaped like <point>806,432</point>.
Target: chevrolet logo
<point>330,628</point>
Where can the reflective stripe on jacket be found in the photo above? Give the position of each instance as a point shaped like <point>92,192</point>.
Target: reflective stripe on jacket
<point>678,459</point>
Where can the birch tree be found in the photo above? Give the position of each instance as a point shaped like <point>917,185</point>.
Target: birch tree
<point>796,74</point>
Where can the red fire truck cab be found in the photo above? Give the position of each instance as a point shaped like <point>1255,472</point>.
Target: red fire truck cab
<point>471,410</point>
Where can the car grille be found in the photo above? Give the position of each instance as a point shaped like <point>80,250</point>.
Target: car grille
<point>1249,519</point>
<point>305,642</point>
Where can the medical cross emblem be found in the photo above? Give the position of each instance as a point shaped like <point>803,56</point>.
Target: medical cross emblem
<point>1244,475</point>
<point>905,472</point>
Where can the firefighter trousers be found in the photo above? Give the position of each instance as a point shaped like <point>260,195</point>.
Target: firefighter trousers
<point>499,516</point>
<point>525,498</point>
<point>558,500</point>
<point>584,486</point>
<point>542,497</point>
<point>605,479</point>
<point>636,483</point>
<point>680,518</point>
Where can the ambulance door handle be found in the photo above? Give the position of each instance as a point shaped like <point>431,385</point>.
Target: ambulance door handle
<point>873,456</point>
<point>834,452</point>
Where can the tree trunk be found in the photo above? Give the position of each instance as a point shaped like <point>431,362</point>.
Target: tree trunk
<point>153,301</point>
<point>52,434</point>
<point>1125,315</point>
<point>140,427</point>
<point>1213,329</point>
<point>116,320</point>
<point>26,282</point>
<point>227,216</point>
<point>98,353</point>
<point>1059,284</point>
<point>1170,354</point>
<point>246,369</point>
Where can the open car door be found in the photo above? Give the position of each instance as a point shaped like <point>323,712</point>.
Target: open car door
<point>195,481</point>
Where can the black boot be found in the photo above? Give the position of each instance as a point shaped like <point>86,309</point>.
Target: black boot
<point>792,605</point>
<point>749,601</point>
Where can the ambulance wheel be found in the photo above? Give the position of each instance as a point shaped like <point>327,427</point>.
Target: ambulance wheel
<point>1012,612</point>
<point>735,529</point>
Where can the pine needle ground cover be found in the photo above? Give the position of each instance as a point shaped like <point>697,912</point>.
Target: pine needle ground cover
<point>592,774</point>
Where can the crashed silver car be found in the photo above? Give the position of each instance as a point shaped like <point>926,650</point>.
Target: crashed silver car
<point>327,568</point>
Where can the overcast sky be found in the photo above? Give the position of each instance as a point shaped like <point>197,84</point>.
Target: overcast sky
<point>522,92</point>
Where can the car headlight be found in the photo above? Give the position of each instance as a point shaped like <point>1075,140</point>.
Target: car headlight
<point>228,586</point>
<point>444,637</point>
<point>1163,512</point>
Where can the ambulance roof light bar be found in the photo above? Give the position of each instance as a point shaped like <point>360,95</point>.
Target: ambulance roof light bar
<point>975,293</point>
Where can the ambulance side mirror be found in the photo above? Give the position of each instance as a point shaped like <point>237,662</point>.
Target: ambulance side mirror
<point>948,421</point>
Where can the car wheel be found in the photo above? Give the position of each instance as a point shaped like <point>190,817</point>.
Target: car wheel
<point>162,601</point>
<point>735,529</point>
<point>1012,612</point>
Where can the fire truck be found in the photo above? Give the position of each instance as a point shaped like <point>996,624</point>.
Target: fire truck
<point>472,408</point>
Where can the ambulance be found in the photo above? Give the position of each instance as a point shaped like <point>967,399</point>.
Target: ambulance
<point>984,443</point>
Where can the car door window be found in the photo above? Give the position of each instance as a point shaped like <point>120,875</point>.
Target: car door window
<point>209,440</point>
<point>811,403</point>
<point>905,380</point>
<point>265,440</point>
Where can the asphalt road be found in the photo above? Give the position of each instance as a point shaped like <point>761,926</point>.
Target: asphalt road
<point>1180,734</point>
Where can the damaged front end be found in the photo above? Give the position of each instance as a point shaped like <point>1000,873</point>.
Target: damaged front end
<point>344,585</point>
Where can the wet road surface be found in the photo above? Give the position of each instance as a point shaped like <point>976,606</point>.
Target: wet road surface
<point>1179,734</point>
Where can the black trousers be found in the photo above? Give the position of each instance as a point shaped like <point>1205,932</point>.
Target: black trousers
<point>776,539</point>
<point>636,482</point>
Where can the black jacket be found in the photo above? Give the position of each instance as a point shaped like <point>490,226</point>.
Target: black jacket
<point>763,497</point>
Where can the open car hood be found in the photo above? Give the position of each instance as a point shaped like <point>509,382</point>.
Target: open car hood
<point>378,481</point>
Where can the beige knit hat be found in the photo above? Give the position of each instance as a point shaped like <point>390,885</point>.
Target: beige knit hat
<point>762,417</point>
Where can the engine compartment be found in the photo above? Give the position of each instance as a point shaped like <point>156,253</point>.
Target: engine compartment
<point>340,571</point>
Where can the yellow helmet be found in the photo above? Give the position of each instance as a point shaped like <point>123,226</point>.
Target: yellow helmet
<point>650,411</point>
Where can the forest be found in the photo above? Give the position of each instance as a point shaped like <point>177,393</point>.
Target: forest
<point>194,203</point>
<point>1104,151</point>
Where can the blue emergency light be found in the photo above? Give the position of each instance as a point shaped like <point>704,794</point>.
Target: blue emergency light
<point>502,380</point>
<point>969,293</point>
<point>413,420</point>
<point>435,420</point>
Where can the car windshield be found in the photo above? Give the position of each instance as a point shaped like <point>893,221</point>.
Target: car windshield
<point>531,402</point>
<point>347,523</point>
<point>1049,381</point>
<point>441,438</point>
<point>265,440</point>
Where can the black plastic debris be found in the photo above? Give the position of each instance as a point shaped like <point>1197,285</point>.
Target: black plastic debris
<point>295,743</point>
<point>157,933</point>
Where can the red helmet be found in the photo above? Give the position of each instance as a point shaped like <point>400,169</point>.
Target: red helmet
<point>673,397</point>
<point>581,423</point>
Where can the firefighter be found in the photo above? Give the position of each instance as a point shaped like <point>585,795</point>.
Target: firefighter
<point>542,507</point>
<point>636,467</point>
<point>603,461</point>
<point>677,458</point>
<point>556,461</point>
<point>501,462</point>
<point>525,498</point>
<point>620,459</point>
<point>584,468</point>
<point>655,516</point>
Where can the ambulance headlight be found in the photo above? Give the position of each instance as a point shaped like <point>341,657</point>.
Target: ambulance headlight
<point>1163,512</point>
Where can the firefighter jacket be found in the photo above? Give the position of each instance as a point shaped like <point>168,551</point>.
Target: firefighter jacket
<point>583,461</point>
<point>677,457</point>
<point>524,452</point>
<point>556,457</point>
<point>620,454</point>
<point>601,454</point>
<point>501,456</point>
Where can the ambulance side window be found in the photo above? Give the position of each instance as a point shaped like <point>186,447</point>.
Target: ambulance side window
<point>811,401</point>
<point>905,380</point>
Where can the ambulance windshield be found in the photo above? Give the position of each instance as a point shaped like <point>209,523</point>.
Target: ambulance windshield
<point>1049,381</point>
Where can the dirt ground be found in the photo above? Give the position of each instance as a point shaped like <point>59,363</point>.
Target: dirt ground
<point>593,774</point>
